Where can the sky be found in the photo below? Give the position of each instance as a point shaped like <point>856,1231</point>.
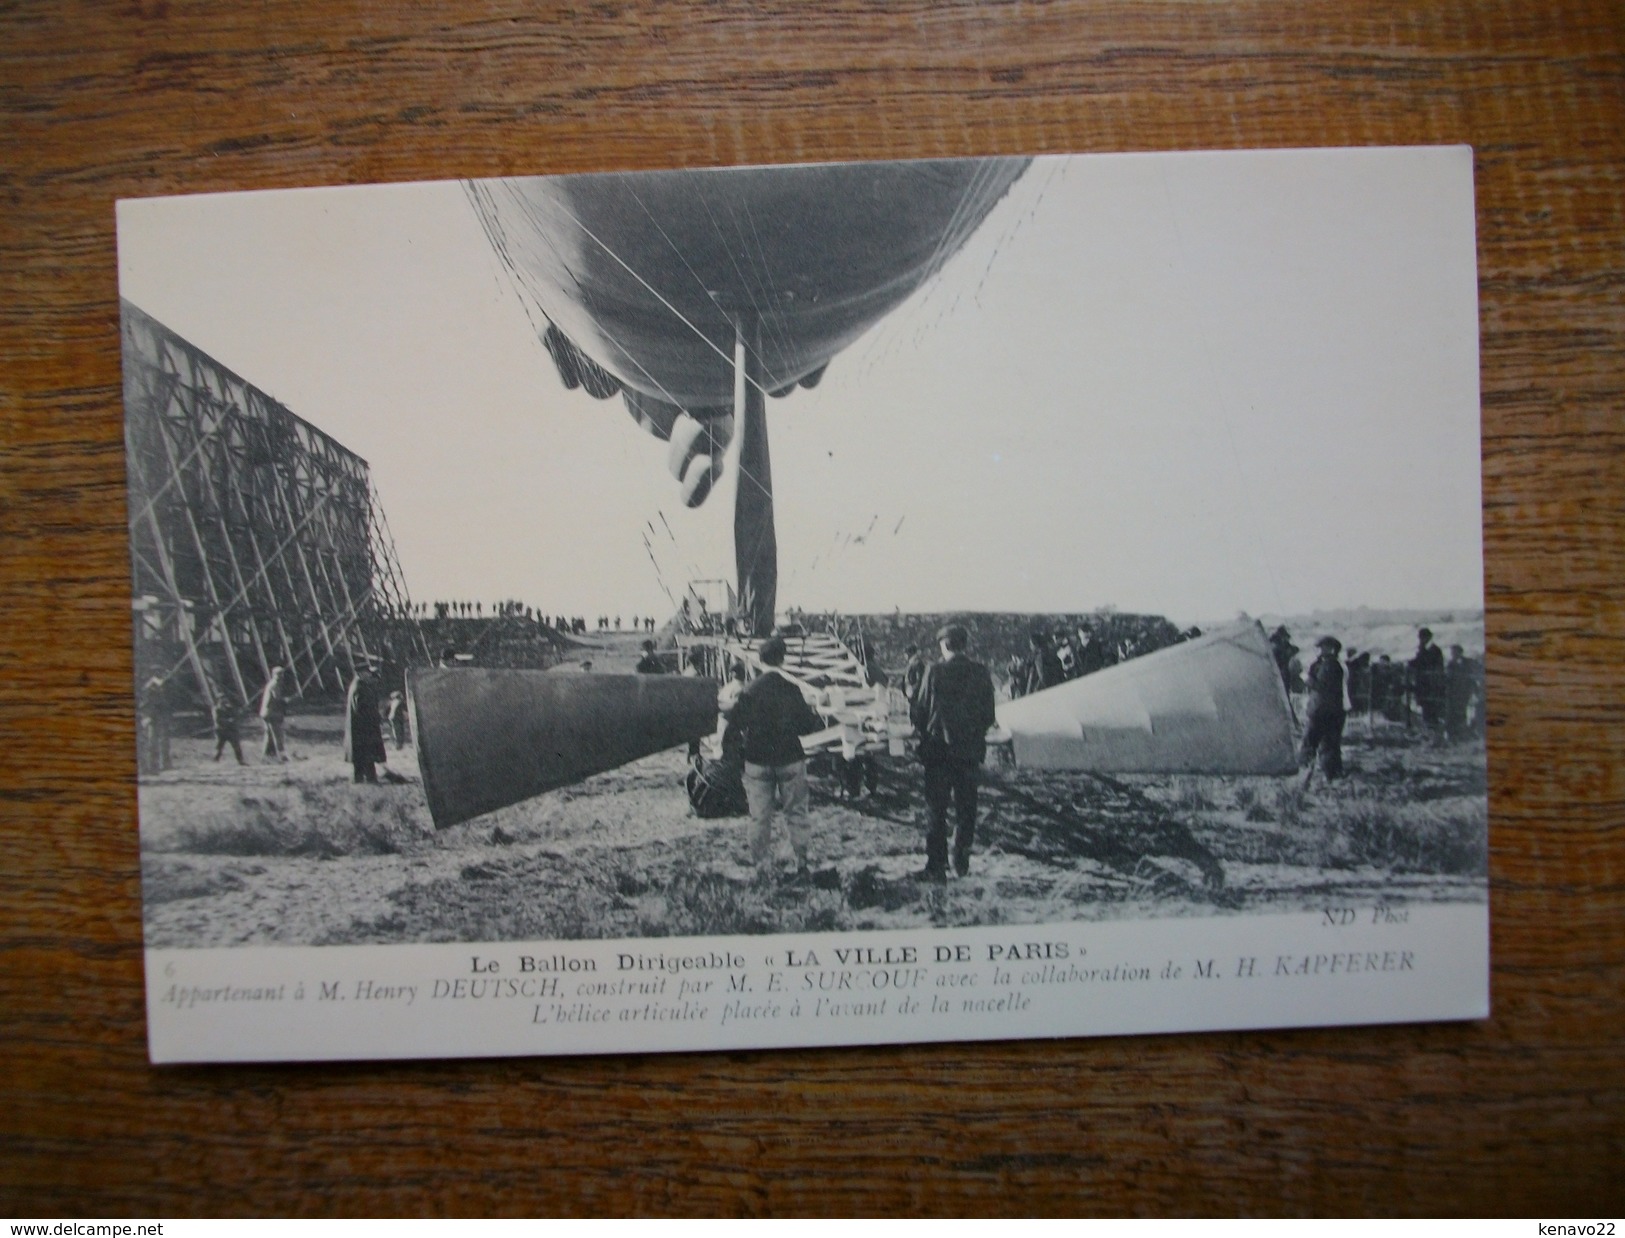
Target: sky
<point>1192,385</point>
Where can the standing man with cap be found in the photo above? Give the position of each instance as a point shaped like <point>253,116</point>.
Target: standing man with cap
<point>363,729</point>
<point>767,723</point>
<point>952,713</point>
<point>1323,732</point>
<point>224,714</point>
<point>1427,679</point>
<point>1044,668</point>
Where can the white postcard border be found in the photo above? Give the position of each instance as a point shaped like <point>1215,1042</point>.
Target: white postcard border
<point>1345,964</point>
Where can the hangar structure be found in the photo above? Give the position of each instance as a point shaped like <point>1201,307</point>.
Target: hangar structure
<point>256,540</point>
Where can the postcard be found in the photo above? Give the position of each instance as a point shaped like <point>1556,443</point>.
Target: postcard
<point>808,605</point>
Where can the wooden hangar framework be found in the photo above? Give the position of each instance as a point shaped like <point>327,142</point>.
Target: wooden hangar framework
<point>256,539</point>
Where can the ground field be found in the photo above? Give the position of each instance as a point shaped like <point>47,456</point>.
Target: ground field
<point>296,854</point>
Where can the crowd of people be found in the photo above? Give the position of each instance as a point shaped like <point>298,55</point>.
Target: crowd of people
<point>570,625</point>
<point>1447,694</point>
<point>1072,652</point>
<point>369,713</point>
<point>1444,695</point>
<point>951,707</point>
<point>695,618</point>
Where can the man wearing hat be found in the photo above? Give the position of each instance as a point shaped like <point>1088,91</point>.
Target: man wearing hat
<point>1283,650</point>
<point>766,724</point>
<point>1427,678</point>
<point>1323,730</point>
<point>1043,665</point>
<point>952,713</point>
<point>363,731</point>
<point>649,663</point>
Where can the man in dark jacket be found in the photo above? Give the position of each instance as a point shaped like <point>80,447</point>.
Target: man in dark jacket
<point>157,716</point>
<point>650,663</point>
<point>913,672</point>
<point>951,713</point>
<point>363,729</point>
<point>1323,731</point>
<point>1284,651</point>
<point>1459,690</point>
<point>1044,668</point>
<point>767,723</point>
<point>225,716</point>
<point>1427,679</point>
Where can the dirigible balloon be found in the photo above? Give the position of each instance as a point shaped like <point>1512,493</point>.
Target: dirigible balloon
<point>694,294</point>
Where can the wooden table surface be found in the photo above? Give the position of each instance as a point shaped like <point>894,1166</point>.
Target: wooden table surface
<point>1522,1114</point>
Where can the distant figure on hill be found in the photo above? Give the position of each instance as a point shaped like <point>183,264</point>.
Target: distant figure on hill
<point>952,714</point>
<point>1323,729</point>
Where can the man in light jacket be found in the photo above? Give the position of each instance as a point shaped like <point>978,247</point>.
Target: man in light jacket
<point>274,712</point>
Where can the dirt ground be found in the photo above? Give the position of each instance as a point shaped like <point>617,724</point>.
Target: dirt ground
<point>295,854</point>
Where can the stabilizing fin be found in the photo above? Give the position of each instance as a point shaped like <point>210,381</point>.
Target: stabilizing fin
<point>1213,705</point>
<point>653,415</point>
<point>695,455</point>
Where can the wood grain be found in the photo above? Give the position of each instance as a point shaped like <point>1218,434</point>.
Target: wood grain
<point>1522,1114</point>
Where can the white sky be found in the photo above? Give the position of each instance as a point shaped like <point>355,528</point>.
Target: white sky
<point>1183,384</point>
